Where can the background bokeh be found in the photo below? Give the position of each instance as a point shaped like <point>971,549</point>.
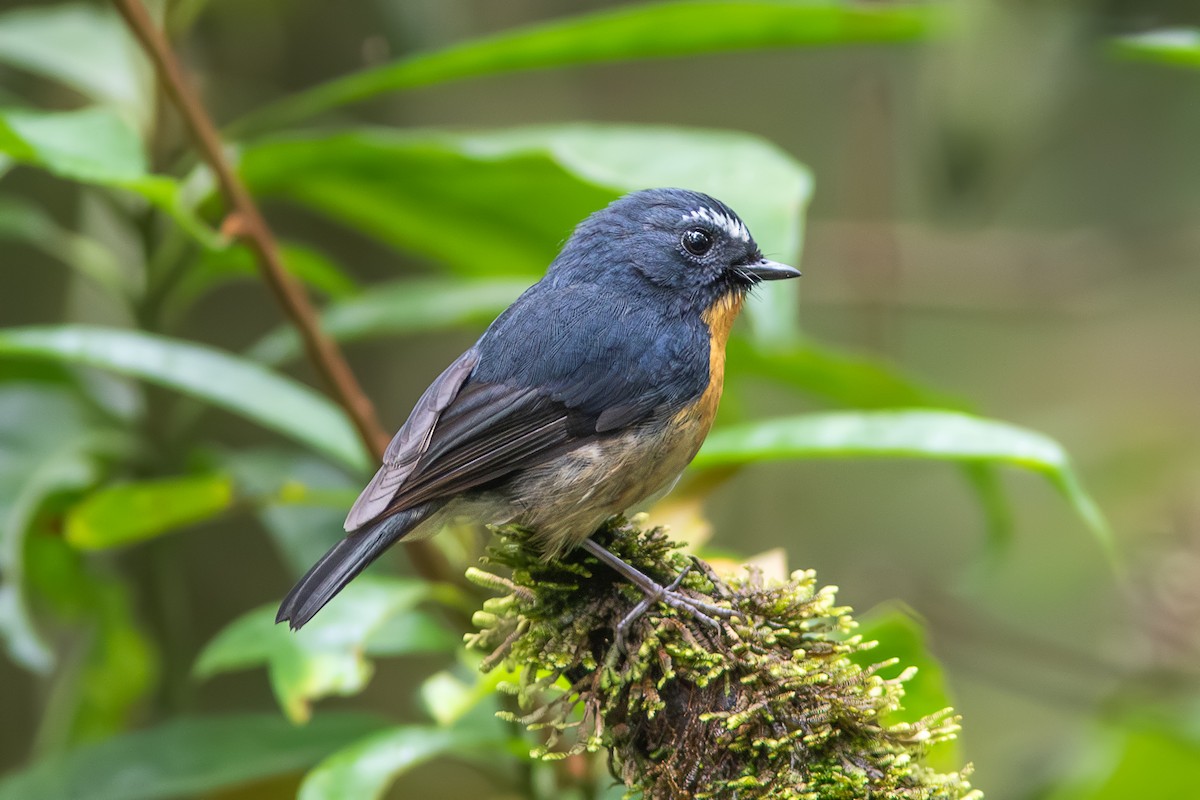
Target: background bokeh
<point>1006,211</point>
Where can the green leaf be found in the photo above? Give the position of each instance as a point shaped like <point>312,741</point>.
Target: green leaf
<point>515,195</point>
<point>411,633</point>
<point>215,267</point>
<point>90,145</point>
<point>327,656</point>
<point>1175,47</point>
<point>1145,760</point>
<point>51,444</point>
<point>111,665</point>
<point>997,512</point>
<point>301,532</point>
<point>84,46</point>
<point>862,382</point>
<point>311,266</point>
<point>393,309</point>
<point>365,769</point>
<point>93,146</point>
<point>425,193</point>
<point>133,512</point>
<point>224,380</point>
<point>650,30</point>
<point>21,220</point>
<point>186,758</point>
<point>940,435</point>
<point>902,637</point>
<point>448,698</point>
<point>845,378</point>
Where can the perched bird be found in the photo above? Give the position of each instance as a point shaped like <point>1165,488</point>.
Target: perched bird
<point>588,395</point>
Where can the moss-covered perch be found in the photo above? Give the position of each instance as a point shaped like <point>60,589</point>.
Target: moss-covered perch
<point>769,706</point>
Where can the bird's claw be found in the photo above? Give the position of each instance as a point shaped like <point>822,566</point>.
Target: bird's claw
<point>671,597</point>
<point>656,593</point>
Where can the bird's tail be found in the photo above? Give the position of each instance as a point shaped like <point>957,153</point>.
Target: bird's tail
<point>344,560</point>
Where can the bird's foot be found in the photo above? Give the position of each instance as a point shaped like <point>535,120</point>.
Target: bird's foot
<point>666,595</point>
<point>657,593</point>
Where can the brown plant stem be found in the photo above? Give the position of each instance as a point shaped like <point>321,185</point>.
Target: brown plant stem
<point>247,223</point>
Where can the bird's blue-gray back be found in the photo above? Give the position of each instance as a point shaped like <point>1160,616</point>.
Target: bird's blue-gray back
<point>598,351</point>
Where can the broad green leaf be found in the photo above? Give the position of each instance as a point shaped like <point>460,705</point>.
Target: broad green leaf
<point>226,381</point>
<point>862,382</point>
<point>90,145</point>
<point>94,146</point>
<point>21,220</point>
<point>365,769</point>
<point>327,656</point>
<point>311,266</point>
<point>215,267</point>
<point>1144,760</point>
<point>393,309</point>
<point>648,30</point>
<point>940,435</point>
<point>997,513</point>
<point>425,193</point>
<point>901,636</point>
<point>112,662</point>
<point>84,46</point>
<point>448,698</point>
<point>844,378</point>
<point>132,512</point>
<point>187,758</point>
<point>410,633</point>
<point>302,532</point>
<point>50,444</point>
<point>501,203</point>
<point>1176,47</point>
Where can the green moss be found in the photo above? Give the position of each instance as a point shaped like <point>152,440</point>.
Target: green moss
<point>768,706</point>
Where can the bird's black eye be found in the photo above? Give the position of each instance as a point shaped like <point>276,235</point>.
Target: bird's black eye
<point>696,242</point>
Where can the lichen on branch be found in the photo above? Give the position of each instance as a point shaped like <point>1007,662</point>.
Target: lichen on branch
<point>770,705</point>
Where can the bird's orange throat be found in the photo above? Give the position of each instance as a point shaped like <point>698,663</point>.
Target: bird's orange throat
<point>719,317</point>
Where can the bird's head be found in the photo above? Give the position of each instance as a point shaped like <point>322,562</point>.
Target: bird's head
<point>685,243</point>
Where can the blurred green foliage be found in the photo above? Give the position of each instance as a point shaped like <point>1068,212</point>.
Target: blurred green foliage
<point>186,757</point>
<point>108,457</point>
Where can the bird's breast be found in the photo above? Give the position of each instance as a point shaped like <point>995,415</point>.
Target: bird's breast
<point>697,418</point>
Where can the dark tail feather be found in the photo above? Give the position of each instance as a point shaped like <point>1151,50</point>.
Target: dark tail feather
<point>344,560</point>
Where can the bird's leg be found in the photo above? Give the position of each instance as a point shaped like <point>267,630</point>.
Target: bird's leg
<point>640,608</point>
<point>656,592</point>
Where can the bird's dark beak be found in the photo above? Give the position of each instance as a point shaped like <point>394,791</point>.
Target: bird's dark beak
<point>771,270</point>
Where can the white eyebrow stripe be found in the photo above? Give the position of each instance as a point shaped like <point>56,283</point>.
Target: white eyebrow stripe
<point>731,225</point>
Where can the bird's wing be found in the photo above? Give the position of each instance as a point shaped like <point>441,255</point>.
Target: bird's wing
<point>486,432</point>
<point>489,432</point>
<point>410,442</point>
<point>546,378</point>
